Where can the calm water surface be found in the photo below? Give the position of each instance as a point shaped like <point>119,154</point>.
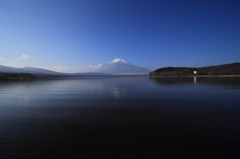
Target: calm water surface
<point>128,117</point>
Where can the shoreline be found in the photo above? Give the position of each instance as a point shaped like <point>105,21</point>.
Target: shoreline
<point>200,76</point>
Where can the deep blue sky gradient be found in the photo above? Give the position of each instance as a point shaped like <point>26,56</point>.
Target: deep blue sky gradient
<point>152,34</point>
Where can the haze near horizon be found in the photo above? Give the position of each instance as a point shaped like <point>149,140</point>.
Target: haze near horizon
<point>73,36</point>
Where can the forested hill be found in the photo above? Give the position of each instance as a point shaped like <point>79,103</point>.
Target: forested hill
<point>16,76</point>
<point>226,69</point>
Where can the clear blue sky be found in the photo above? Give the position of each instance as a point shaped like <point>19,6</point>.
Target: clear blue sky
<point>65,35</point>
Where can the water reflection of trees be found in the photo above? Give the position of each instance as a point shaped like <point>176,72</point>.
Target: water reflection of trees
<point>224,81</point>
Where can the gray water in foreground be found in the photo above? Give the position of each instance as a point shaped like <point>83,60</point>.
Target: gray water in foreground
<point>128,117</point>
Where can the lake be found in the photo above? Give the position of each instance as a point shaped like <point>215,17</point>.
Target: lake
<point>124,117</point>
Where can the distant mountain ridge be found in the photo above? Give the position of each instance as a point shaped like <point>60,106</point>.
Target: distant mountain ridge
<point>11,73</point>
<point>225,69</point>
<point>120,66</point>
<point>8,69</point>
<point>117,66</point>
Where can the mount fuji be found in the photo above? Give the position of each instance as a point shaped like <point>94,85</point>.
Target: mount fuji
<point>120,66</point>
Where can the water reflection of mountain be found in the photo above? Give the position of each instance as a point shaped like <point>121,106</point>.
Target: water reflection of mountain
<point>224,81</point>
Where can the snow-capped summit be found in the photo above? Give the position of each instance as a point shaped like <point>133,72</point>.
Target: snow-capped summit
<point>121,66</point>
<point>116,60</point>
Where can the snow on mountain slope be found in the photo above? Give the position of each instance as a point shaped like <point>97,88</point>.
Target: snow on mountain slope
<point>121,66</point>
<point>118,61</point>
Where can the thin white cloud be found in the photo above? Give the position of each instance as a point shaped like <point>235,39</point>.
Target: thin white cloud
<point>67,69</point>
<point>27,57</point>
<point>96,66</point>
<point>19,58</point>
<point>64,69</point>
<point>1,58</point>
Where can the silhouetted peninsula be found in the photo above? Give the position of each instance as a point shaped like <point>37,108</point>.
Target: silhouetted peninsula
<point>226,69</point>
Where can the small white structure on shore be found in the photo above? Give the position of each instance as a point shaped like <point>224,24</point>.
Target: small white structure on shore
<point>194,72</point>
